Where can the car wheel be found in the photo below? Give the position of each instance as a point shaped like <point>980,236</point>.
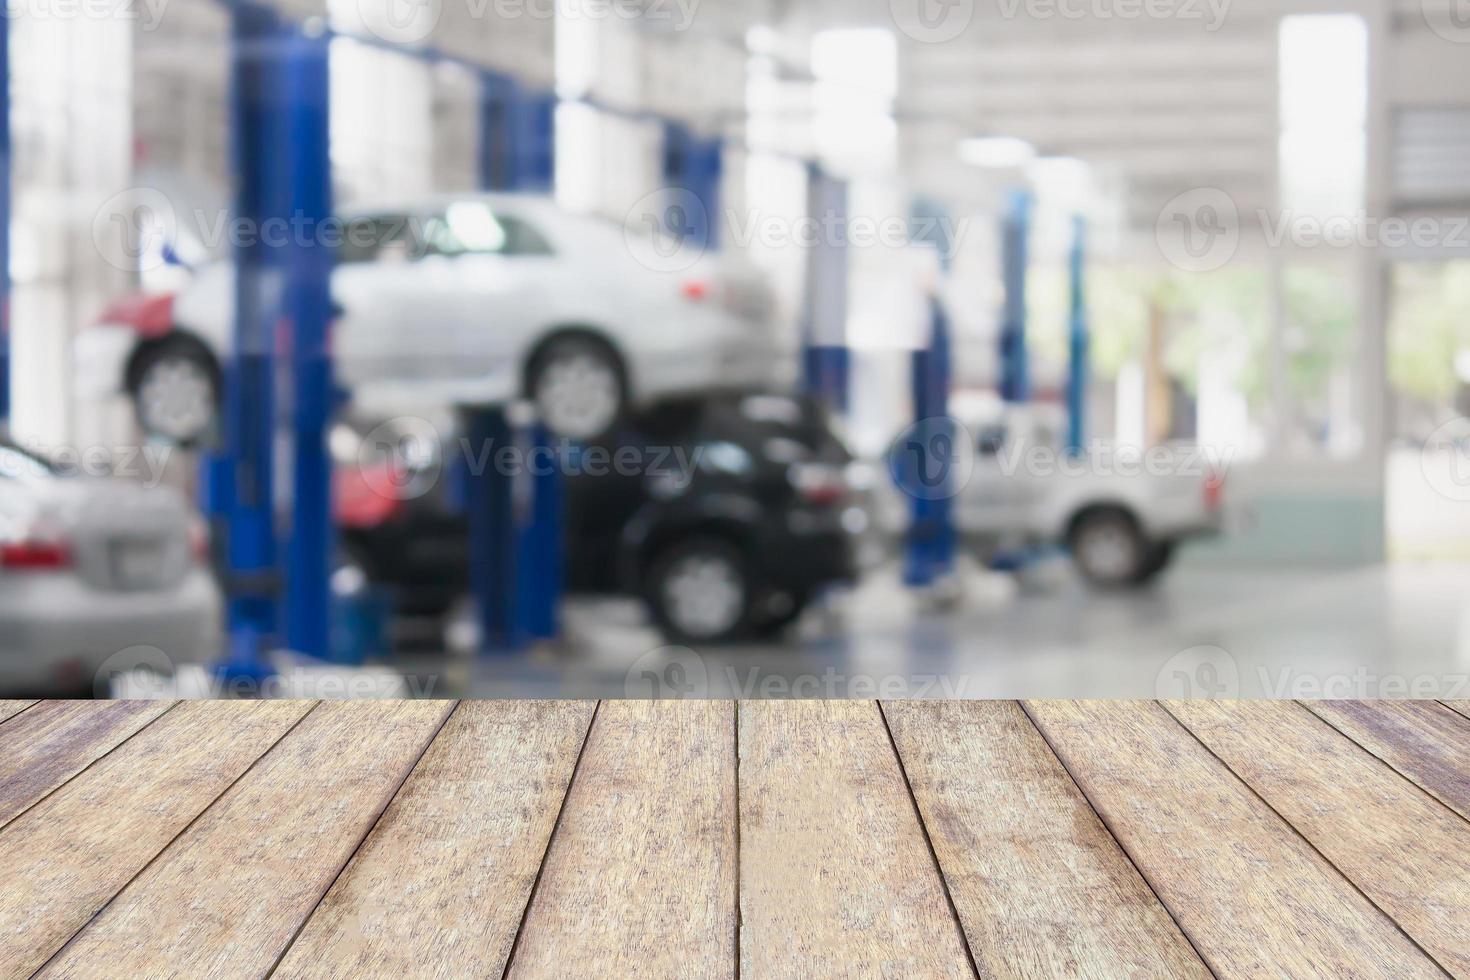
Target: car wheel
<point>175,391</point>
<point>1155,564</point>
<point>699,592</point>
<point>1108,548</point>
<point>578,387</point>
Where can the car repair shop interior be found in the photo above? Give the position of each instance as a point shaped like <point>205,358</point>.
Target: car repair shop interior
<point>735,347</point>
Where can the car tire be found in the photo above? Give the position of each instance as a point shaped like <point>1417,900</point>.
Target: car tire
<point>175,389</point>
<point>1108,548</point>
<point>1160,555</point>
<point>578,386</point>
<point>699,591</point>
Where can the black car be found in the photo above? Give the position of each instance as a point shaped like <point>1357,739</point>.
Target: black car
<point>727,515</point>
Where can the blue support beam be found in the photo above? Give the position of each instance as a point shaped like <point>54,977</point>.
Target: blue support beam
<point>241,478</point>
<point>517,149</point>
<point>826,360</point>
<point>540,540</point>
<point>1015,371</point>
<point>4,219</point>
<point>515,519</point>
<point>1078,341</point>
<point>695,165</point>
<point>279,80</point>
<point>308,316</point>
<point>930,551</point>
<point>491,513</point>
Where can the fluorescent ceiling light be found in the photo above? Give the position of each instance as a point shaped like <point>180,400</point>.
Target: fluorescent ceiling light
<point>996,152</point>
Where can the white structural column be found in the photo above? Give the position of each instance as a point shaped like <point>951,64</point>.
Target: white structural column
<point>70,117</point>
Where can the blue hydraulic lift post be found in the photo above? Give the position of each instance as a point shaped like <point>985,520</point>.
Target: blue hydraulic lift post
<point>1015,373</point>
<point>241,475</point>
<point>1078,340</point>
<point>540,543</point>
<point>490,511</point>
<point>695,165</point>
<point>517,148</point>
<point>515,519</point>
<point>931,539</point>
<point>4,220</point>
<point>826,361</point>
<point>309,258</point>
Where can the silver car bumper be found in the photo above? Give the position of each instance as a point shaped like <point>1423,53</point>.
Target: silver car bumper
<point>58,633</point>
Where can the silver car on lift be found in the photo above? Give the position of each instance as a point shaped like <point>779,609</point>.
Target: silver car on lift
<point>96,568</point>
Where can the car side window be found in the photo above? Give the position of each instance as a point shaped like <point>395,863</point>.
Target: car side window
<point>378,238</point>
<point>472,228</point>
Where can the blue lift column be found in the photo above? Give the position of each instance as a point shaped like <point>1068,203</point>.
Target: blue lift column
<point>515,518</point>
<point>517,149</point>
<point>1015,372</point>
<point>240,477</point>
<point>695,165</point>
<point>826,360</point>
<point>930,551</point>
<point>308,315</point>
<point>4,220</point>
<point>1078,341</point>
<point>931,538</point>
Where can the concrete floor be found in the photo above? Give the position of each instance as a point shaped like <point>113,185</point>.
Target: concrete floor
<point>1390,631</point>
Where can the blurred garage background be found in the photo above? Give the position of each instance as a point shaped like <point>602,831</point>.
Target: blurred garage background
<point>772,348</point>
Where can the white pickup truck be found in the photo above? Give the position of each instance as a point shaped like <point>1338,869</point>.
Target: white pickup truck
<point>1119,512</point>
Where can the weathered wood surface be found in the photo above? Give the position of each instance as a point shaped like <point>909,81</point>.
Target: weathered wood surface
<point>439,887</point>
<point>1252,895</point>
<point>639,879</point>
<point>226,898</point>
<point>43,747</point>
<point>67,856</point>
<point>1425,740</point>
<point>1040,885</point>
<point>9,709</point>
<point>714,839</point>
<point>835,870</point>
<point>1408,852</point>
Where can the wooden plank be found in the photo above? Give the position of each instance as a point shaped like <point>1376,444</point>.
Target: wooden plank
<point>440,885</point>
<point>67,856</point>
<point>52,742</point>
<point>1254,897</point>
<point>1424,740</point>
<point>226,897</point>
<point>1041,887</point>
<point>1460,707</point>
<point>9,709</point>
<point>1408,852</point>
<point>835,871</point>
<point>640,876</point>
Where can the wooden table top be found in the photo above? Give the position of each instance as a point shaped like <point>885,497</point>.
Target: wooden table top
<point>723,839</point>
